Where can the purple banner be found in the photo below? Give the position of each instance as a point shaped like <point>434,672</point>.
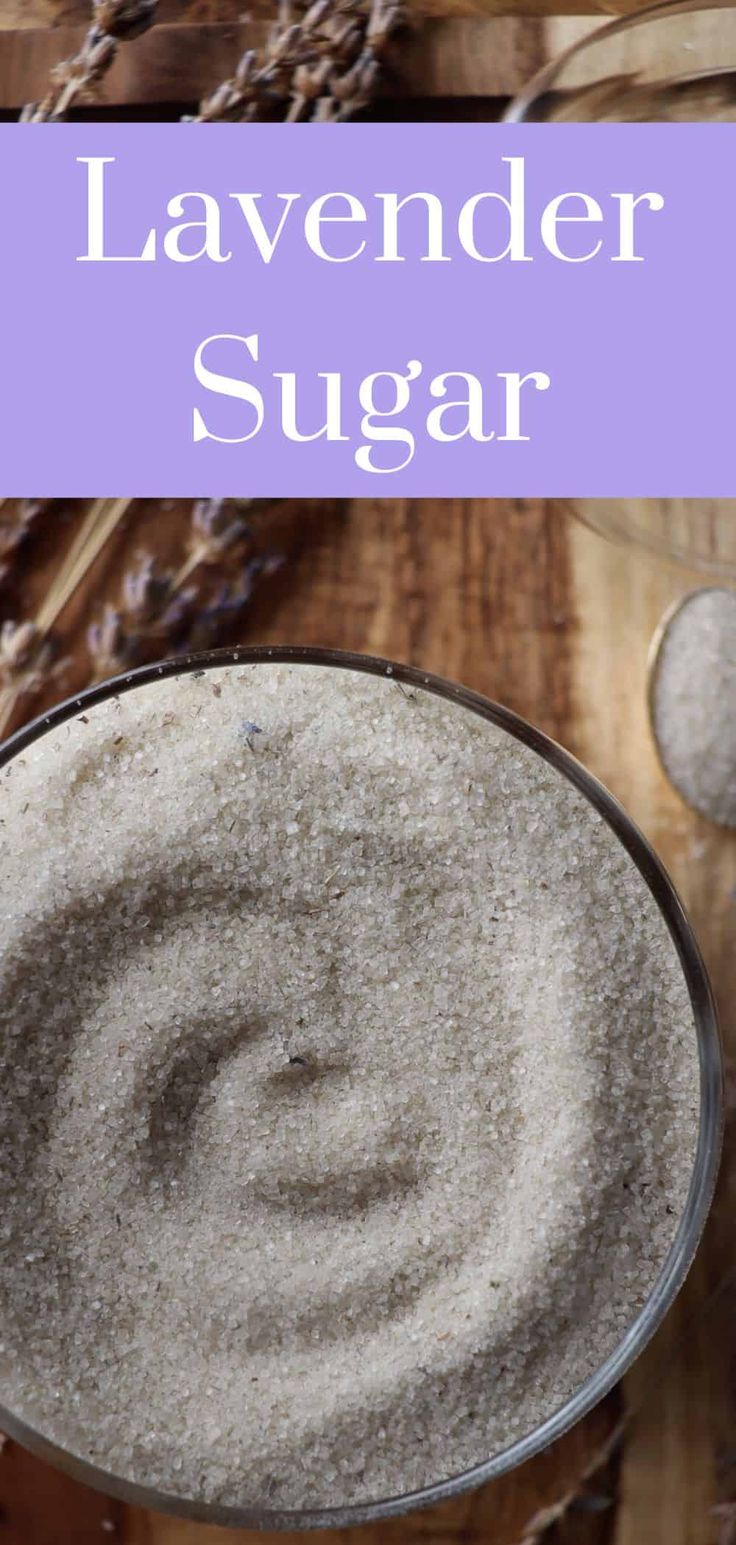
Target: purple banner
<point>368,309</point>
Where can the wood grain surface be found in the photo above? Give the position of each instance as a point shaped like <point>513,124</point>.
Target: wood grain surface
<point>459,50</point>
<point>524,604</point>
<point>457,58</point>
<point>461,56</point>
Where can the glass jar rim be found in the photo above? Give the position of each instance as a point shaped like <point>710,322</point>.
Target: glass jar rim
<point>518,108</point>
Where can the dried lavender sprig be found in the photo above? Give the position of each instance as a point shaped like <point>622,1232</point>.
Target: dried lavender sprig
<point>189,622</point>
<point>148,592</point>
<point>28,659</point>
<point>229,603</point>
<point>15,525</point>
<point>150,609</point>
<point>218,527</point>
<point>321,63</point>
<point>113,22</point>
<point>538,1528</point>
<point>725,1513</point>
<point>108,644</point>
<point>28,650</point>
<point>157,605</point>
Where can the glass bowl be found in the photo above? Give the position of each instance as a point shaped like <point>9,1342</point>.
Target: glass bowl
<point>707,1153</point>
<point>674,61</point>
<point>699,533</point>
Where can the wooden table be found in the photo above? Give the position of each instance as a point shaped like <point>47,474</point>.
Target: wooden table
<point>462,59</point>
<point>524,604</point>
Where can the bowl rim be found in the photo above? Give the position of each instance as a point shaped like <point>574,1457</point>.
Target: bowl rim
<point>518,107</point>
<point>705,1162</point>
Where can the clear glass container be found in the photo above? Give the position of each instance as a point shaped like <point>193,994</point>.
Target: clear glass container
<point>700,533</point>
<point>671,62</point>
<point>707,1154</point>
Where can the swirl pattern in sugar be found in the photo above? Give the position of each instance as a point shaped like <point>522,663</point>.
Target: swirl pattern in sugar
<point>349,1087</point>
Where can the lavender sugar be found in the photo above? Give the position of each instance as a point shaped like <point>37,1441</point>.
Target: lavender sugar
<point>349,1087</point>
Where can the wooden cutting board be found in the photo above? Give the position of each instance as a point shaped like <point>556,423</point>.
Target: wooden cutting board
<point>522,603</point>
